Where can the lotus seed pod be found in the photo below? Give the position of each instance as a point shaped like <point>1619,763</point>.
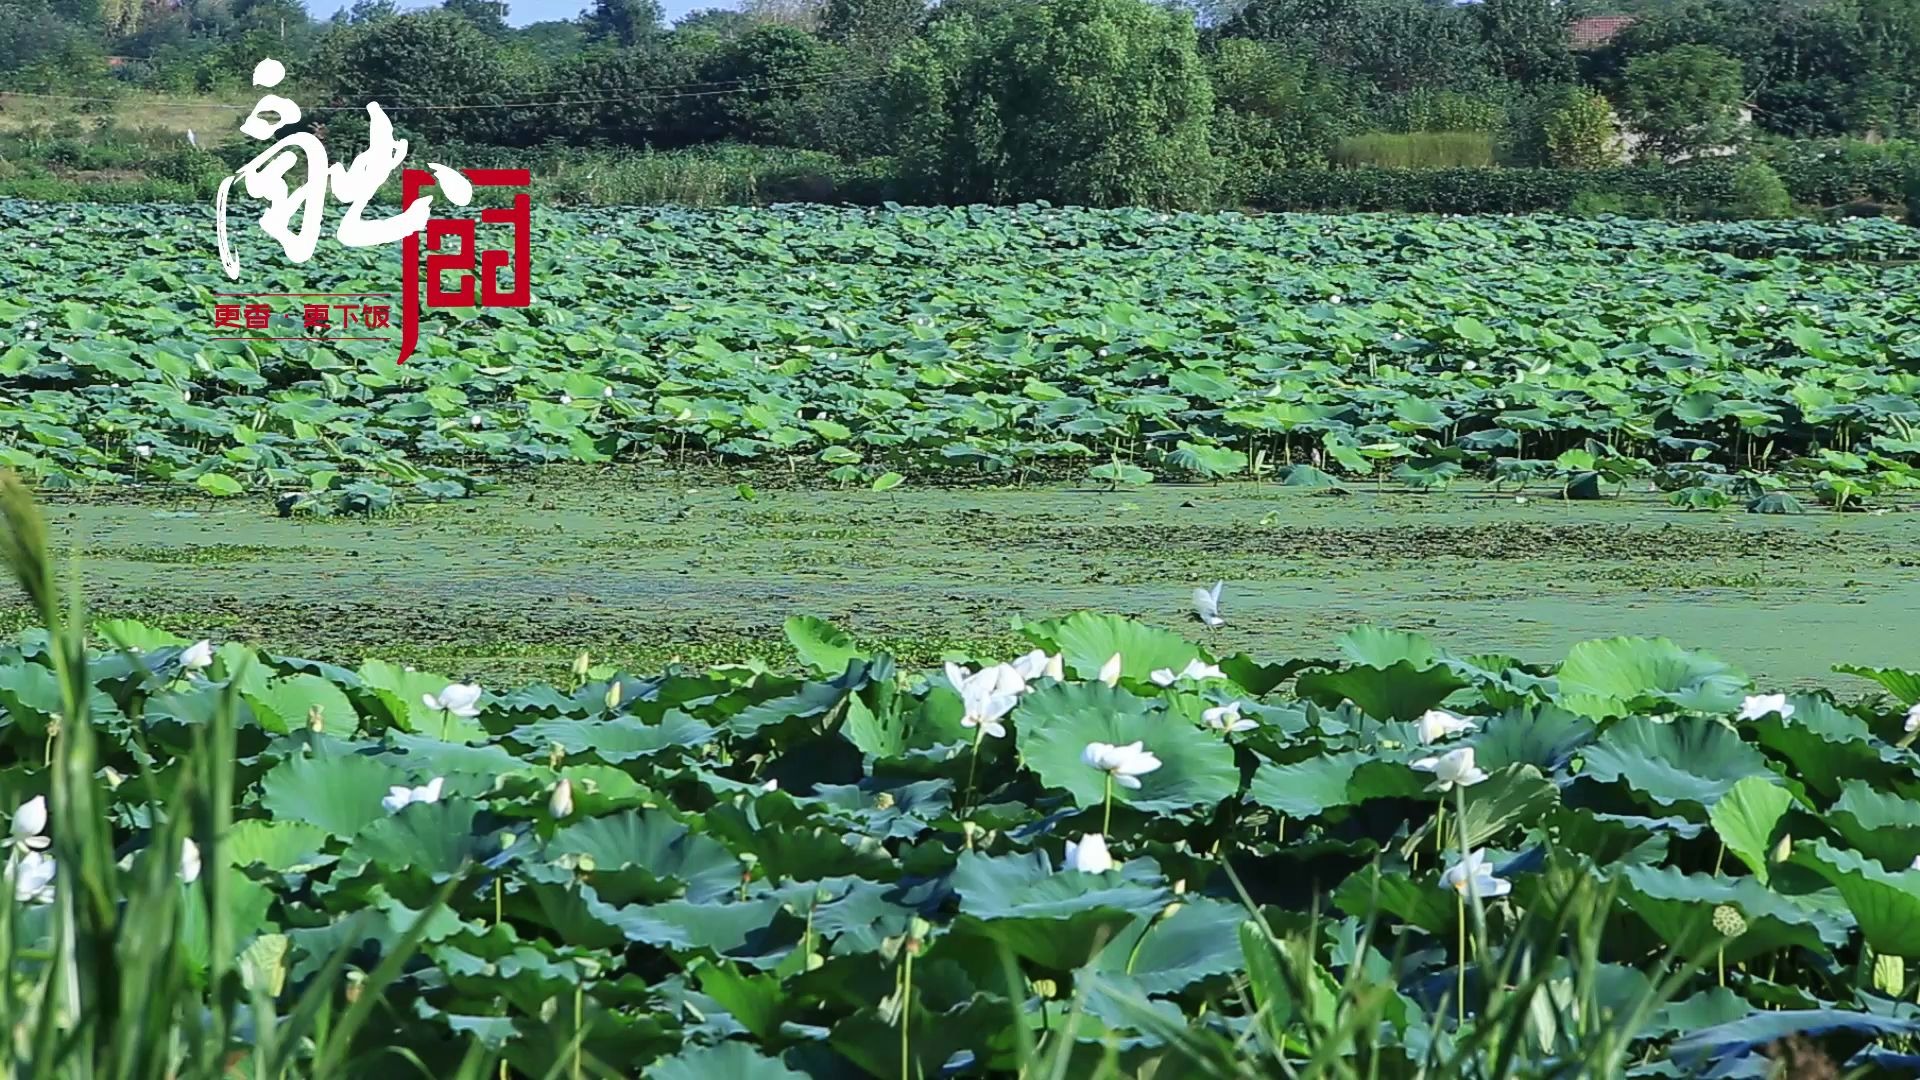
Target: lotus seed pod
<point>1728,921</point>
<point>1046,988</point>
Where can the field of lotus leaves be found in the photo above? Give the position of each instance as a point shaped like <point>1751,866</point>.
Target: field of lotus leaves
<point>1762,365</point>
<point>1121,854</point>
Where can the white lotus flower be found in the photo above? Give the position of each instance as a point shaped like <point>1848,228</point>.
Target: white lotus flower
<point>143,451</point>
<point>1335,298</point>
<point>566,399</point>
<point>1206,605</point>
<point>1226,719</point>
<point>1089,856</point>
<point>33,878</point>
<point>1196,671</point>
<point>1437,724</point>
<point>1916,863</point>
<point>475,421</point>
<point>1759,705</point>
<point>197,655</point>
<point>29,826</point>
<point>1110,671</point>
<point>400,795</point>
<point>771,785</point>
<point>606,391</point>
<point>988,695</point>
<point>191,140</point>
<point>1037,663</point>
<point>1127,764</point>
<point>1473,877</point>
<point>189,860</point>
<point>1455,767</point>
<point>560,803</point>
<point>1913,719</point>
<point>460,699</point>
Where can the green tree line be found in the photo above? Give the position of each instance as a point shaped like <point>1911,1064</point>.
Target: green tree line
<point>1091,101</point>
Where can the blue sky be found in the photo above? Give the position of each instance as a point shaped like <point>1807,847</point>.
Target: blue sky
<point>522,12</point>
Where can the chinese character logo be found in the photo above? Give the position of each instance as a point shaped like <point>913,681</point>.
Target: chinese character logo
<point>266,177</point>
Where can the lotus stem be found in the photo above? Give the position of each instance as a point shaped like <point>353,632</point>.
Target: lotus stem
<point>906,1015</point>
<point>579,1036</point>
<point>973,762</point>
<point>1460,983</point>
<point>1106,821</point>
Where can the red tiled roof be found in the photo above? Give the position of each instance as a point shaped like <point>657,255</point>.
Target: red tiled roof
<point>1591,33</point>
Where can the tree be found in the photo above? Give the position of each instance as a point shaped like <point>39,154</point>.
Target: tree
<point>1582,132</point>
<point>366,11</point>
<point>625,23</point>
<point>775,80</point>
<point>487,16</point>
<point>872,25</point>
<point>1273,109</point>
<point>425,58</point>
<point>1527,39</point>
<point>1684,100</point>
<point>1394,45</point>
<point>1099,102</point>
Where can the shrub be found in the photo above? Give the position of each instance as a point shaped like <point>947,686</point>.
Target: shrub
<point>1912,196</point>
<point>1417,150</point>
<point>1757,192</point>
<point>1582,132</point>
<point>1098,102</point>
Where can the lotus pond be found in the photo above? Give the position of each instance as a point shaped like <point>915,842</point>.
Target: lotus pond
<point>1732,364</point>
<point>1123,854</point>
<point>349,798</point>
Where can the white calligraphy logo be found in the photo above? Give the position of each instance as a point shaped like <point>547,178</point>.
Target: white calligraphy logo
<point>354,185</point>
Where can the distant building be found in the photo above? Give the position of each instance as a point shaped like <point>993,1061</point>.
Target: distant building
<point>1597,30</point>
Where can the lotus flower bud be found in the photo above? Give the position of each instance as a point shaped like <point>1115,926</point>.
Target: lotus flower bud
<point>1783,850</point>
<point>581,665</point>
<point>560,804</point>
<point>613,695</point>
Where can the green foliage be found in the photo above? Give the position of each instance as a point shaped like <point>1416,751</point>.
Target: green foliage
<point>623,23</point>
<point>1684,100</point>
<point>433,57</point>
<point>1102,102</point>
<point>1273,109</point>
<point>1431,379</point>
<point>1758,193</point>
<point>1417,150</point>
<point>557,903</point>
<point>1582,133</point>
